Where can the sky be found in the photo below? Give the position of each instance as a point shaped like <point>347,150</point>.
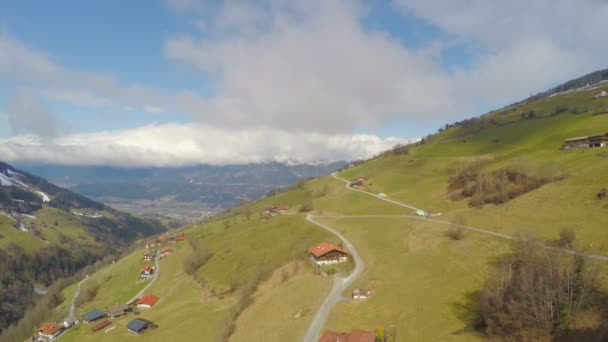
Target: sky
<point>183,82</point>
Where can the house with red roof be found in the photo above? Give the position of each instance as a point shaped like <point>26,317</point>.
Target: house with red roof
<point>354,336</point>
<point>166,252</point>
<point>146,272</point>
<point>146,301</point>
<point>325,253</point>
<point>48,331</point>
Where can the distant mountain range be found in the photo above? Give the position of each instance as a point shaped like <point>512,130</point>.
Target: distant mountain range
<point>207,186</point>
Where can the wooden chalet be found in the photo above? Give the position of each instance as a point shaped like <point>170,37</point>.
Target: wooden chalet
<point>273,210</point>
<point>599,140</point>
<point>357,182</point>
<point>325,253</point>
<point>118,310</point>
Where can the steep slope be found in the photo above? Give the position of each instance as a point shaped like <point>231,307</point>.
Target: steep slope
<point>47,233</point>
<point>423,282</point>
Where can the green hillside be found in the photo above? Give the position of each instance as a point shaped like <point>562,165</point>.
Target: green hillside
<point>257,284</point>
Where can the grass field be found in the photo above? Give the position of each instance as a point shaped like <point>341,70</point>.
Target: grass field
<point>283,306</point>
<point>421,280</point>
<point>187,308</point>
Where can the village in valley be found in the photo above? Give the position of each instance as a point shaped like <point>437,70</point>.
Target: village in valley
<point>97,319</point>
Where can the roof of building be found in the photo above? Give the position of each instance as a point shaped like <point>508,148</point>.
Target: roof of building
<point>146,268</point>
<point>324,248</point>
<point>118,309</point>
<point>361,336</point>
<point>94,315</point>
<point>330,336</point>
<point>576,138</point>
<point>167,250</point>
<point>354,336</point>
<point>137,325</point>
<point>101,325</point>
<point>147,300</point>
<point>50,328</point>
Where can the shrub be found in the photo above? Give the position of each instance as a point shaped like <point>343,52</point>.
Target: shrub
<point>535,292</point>
<point>306,207</point>
<point>498,186</point>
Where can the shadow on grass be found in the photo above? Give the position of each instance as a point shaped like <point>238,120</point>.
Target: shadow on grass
<point>467,311</point>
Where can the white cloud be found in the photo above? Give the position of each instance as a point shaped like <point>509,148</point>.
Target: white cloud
<point>190,144</point>
<point>26,115</point>
<point>314,65</point>
<point>36,71</point>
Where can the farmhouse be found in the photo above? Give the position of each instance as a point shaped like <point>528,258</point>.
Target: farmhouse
<point>146,301</point>
<point>599,140</point>
<point>139,325</point>
<point>100,325</point>
<point>354,336</point>
<point>146,272</point>
<point>357,182</point>
<point>93,315</point>
<point>181,237</point>
<point>160,239</point>
<point>165,252</point>
<point>149,256</point>
<point>118,310</point>
<point>48,331</point>
<point>274,210</point>
<point>326,253</point>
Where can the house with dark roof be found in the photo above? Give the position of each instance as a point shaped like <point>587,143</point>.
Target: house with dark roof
<point>598,140</point>
<point>93,315</point>
<point>149,256</point>
<point>325,253</point>
<point>140,325</point>
<point>146,301</point>
<point>118,310</point>
<point>48,331</point>
<point>354,336</point>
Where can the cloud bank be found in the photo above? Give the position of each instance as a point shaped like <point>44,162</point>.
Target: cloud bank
<point>170,145</point>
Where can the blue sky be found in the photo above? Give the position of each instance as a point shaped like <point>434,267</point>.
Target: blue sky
<point>346,78</point>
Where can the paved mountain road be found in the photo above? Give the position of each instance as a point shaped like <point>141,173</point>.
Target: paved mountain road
<point>156,272</point>
<point>340,284</point>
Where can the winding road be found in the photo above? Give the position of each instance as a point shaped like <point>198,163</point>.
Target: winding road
<point>340,283</point>
<point>72,312</point>
<point>156,272</point>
